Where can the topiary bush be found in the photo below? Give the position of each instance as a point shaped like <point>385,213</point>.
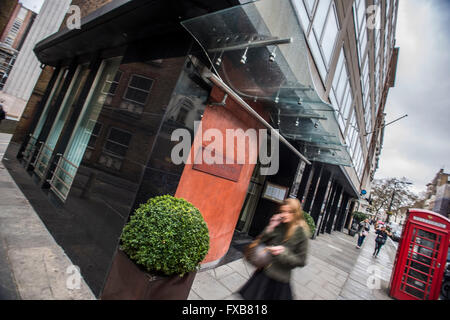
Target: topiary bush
<point>310,222</point>
<point>359,216</point>
<point>166,236</point>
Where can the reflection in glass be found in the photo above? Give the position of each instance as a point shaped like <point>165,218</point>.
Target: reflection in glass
<point>68,164</point>
<point>186,106</point>
<point>65,109</point>
<point>50,103</point>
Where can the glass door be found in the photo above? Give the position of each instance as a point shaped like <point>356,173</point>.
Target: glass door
<point>419,278</point>
<point>72,95</point>
<point>251,201</point>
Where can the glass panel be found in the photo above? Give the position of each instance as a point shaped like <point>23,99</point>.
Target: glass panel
<point>303,15</point>
<point>49,104</point>
<point>330,35</point>
<point>85,125</point>
<point>65,109</point>
<point>320,16</point>
<point>243,42</point>
<point>51,100</point>
<point>70,98</point>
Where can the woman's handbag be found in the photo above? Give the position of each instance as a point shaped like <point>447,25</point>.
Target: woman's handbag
<point>380,240</point>
<point>365,233</point>
<point>257,254</point>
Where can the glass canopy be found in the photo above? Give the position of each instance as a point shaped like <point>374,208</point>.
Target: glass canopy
<point>259,50</point>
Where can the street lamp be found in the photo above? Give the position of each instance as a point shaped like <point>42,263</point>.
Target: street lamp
<point>392,198</point>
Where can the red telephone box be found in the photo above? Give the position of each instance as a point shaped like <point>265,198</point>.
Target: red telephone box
<point>421,256</point>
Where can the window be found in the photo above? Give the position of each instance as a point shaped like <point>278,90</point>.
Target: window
<point>117,142</point>
<point>136,94</point>
<point>184,107</point>
<point>300,9</point>
<point>320,17</point>
<point>94,135</point>
<point>9,40</point>
<point>93,140</point>
<point>322,38</point>
<point>115,148</point>
<point>329,36</point>
<point>138,89</point>
<point>341,95</point>
<point>111,84</point>
<point>310,6</point>
<point>359,15</point>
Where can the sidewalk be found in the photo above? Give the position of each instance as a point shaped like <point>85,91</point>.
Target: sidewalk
<point>336,270</point>
<point>32,265</point>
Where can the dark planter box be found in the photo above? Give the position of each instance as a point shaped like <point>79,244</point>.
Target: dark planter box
<point>126,281</point>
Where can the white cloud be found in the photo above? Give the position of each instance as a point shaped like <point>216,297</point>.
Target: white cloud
<point>34,5</point>
<point>420,145</point>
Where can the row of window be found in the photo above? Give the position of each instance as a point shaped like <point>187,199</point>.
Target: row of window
<point>136,94</point>
<point>12,34</point>
<point>321,26</point>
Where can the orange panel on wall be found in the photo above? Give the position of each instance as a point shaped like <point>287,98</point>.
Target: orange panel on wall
<point>219,191</point>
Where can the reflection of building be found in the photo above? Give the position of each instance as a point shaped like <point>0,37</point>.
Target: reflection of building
<point>100,142</point>
<point>26,71</point>
<point>437,197</point>
<point>12,38</point>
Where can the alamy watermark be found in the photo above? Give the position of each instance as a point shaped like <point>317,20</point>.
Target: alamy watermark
<point>374,280</point>
<point>74,19</point>
<point>374,17</point>
<point>241,147</point>
<point>73,281</point>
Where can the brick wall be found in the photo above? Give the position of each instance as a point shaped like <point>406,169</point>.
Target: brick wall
<point>31,108</point>
<point>6,9</point>
<point>87,7</point>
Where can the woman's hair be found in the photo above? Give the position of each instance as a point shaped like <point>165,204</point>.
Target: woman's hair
<point>299,218</point>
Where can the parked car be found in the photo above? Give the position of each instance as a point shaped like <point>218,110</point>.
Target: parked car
<point>396,235</point>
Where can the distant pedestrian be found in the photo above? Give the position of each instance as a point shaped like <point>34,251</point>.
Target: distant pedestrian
<point>2,113</point>
<point>380,240</point>
<point>363,232</point>
<point>286,238</point>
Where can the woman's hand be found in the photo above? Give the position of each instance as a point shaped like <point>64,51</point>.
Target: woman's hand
<point>274,221</point>
<point>276,250</point>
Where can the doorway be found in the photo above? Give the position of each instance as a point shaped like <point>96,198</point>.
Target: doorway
<point>255,188</point>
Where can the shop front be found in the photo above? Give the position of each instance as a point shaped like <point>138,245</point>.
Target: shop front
<point>113,118</point>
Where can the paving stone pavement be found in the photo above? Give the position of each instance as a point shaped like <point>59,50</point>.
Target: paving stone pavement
<point>32,265</point>
<point>336,270</point>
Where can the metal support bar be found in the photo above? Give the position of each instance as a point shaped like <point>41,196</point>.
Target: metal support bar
<point>218,82</point>
<point>252,44</point>
<point>304,116</point>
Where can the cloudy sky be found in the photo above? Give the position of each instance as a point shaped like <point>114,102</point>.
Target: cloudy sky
<point>418,146</point>
<point>34,5</point>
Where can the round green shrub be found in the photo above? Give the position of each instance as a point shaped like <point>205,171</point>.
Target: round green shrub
<point>359,216</point>
<point>310,222</point>
<point>166,235</point>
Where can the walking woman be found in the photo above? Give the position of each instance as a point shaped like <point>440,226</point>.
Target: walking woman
<point>286,238</point>
<point>363,232</point>
<point>380,240</point>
